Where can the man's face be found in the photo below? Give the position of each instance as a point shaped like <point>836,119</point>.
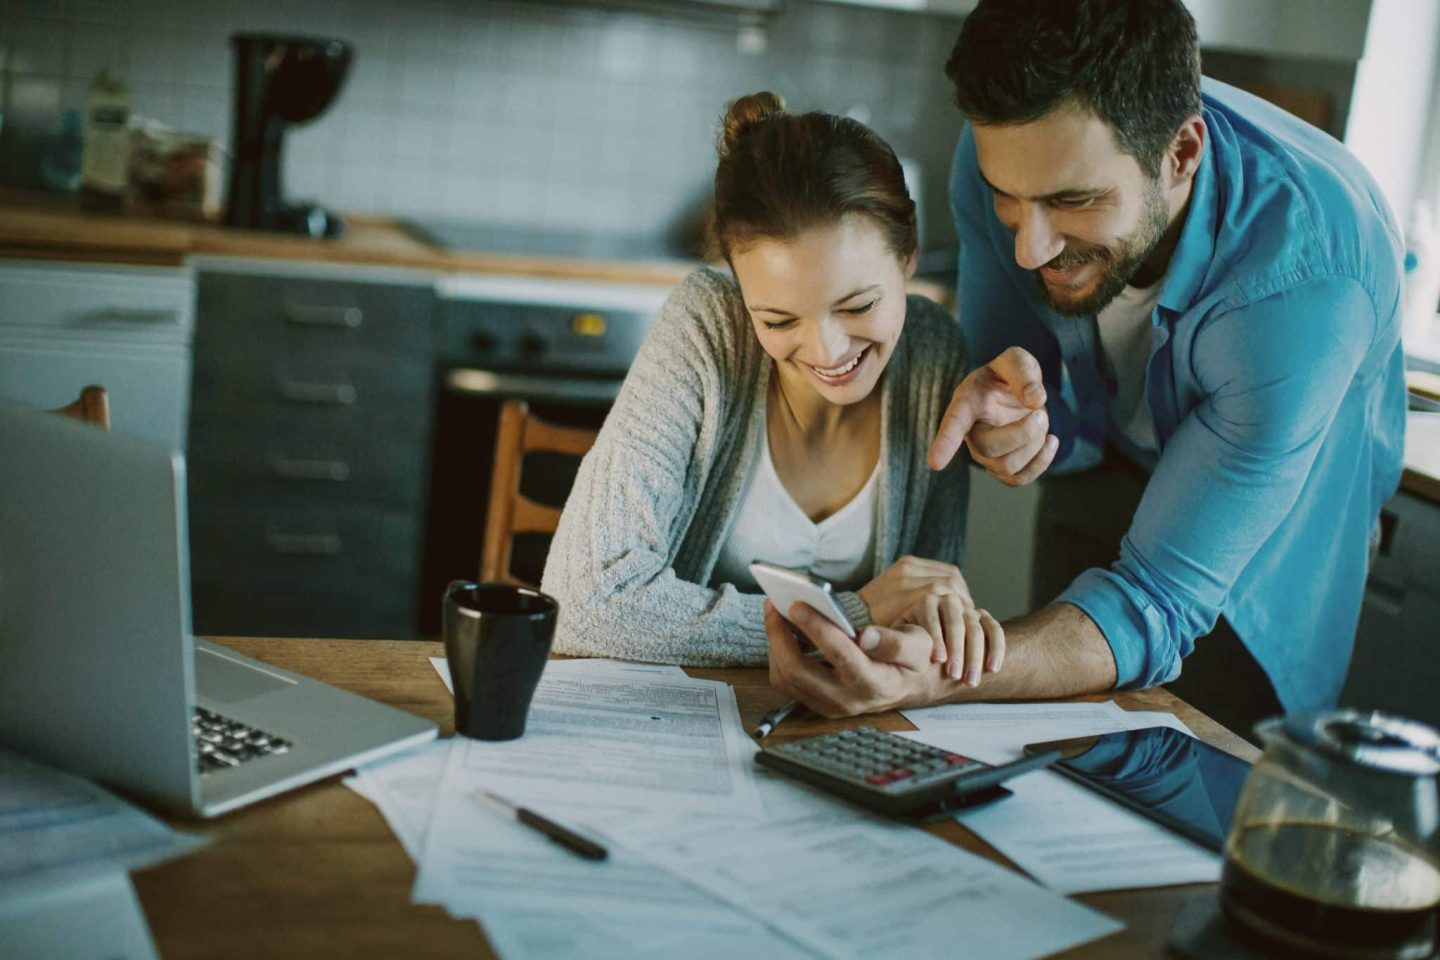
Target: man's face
<point>1084,214</point>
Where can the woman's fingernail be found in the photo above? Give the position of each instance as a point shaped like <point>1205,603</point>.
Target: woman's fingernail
<point>972,677</point>
<point>999,659</point>
<point>954,669</point>
<point>992,663</point>
<point>869,638</point>
<point>801,614</point>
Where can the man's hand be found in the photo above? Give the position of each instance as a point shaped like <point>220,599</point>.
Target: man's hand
<point>999,412</point>
<point>882,670</point>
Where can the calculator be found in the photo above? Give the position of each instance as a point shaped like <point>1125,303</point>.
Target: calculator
<point>894,775</point>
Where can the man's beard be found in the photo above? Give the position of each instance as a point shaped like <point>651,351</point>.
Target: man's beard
<point>1121,263</point>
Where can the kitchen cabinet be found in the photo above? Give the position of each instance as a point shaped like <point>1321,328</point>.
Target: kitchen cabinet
<point>128,329</point>
<point>309,443</point>
<point>1396,664</point>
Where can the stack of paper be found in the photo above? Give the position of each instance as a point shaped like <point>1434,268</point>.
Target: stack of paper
<point>708,857</point>
<point>67,847</point>
<point>1061,833</point>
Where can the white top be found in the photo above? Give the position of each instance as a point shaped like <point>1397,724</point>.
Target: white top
<point>1125,329</point>
<point>770,526</point>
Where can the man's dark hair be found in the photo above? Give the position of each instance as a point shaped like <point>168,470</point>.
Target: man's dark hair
<point>1134,63</point>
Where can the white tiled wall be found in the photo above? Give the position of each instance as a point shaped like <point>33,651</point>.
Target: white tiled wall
<point>538,114</point>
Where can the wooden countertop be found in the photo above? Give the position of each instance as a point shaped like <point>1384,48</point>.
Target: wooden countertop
<point>51,227</point>
<point>41,226</point>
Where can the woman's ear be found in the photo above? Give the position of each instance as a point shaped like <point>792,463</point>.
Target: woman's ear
<point>911,262</point>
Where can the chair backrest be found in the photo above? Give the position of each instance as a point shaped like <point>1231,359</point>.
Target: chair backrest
<point>92,406</point>
<point>511,512</point>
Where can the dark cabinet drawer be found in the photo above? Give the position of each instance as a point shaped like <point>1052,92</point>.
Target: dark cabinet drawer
<point>246,315</point>
<point>287,570</point>
<point>307,462</point>
<point>311,410</point>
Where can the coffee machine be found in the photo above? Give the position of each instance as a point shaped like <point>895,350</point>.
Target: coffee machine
<point>279,81</point>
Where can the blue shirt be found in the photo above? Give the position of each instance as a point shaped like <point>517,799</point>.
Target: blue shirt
<point>1276,384</point>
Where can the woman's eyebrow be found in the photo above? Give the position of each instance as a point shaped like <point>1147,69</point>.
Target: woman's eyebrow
<point>758,308</point>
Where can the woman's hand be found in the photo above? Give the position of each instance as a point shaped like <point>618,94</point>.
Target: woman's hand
<point>967,640</point>
<point>908,582</point>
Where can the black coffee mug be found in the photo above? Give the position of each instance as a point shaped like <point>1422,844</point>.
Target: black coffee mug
<point>497,639</point>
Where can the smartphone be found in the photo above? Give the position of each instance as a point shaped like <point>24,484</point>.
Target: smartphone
<point>1169,776</point>
<point>785,586</point>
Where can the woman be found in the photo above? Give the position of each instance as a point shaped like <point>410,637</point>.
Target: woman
<point>782,415</point>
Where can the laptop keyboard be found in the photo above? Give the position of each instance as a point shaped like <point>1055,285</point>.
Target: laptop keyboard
<point>221,742</point>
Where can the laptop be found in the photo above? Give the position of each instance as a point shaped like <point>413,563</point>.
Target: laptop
<point>99,673</point>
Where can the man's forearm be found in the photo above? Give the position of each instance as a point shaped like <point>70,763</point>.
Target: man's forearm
<point>1055,652</point>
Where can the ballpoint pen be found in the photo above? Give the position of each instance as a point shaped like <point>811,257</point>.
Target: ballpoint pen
<point>564,836</point>
<point>772,719</point>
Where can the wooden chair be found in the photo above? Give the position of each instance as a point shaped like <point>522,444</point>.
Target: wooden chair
<point>92,406</point>
<point>511,512</point>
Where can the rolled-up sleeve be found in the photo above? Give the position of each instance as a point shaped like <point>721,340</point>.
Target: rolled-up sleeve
<point>1273,372</point>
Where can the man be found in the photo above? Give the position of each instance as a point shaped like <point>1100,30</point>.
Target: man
<point>1196,291</point>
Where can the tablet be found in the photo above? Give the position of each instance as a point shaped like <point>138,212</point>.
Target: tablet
<point>1169,776</point>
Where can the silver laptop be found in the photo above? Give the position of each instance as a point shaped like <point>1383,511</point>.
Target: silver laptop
<point>99,673</point>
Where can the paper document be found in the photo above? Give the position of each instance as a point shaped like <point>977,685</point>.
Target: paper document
<point>51,819</point>
<point>588,665</point>
<point>74,913</point>
<point>1063,834</point>
<point>405,789</point>
<point>849,884</point>
<point>538,900</point>
<point>672,744</point>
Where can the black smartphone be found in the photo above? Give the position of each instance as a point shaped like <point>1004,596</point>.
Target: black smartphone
<point>1169,776</point>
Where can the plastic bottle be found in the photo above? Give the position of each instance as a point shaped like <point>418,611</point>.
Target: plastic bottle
<point>1422,280</point>
<point>105,167</point>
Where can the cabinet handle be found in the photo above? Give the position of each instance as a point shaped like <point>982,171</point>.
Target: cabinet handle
<point>118,316</point>
<point>342,394</point>
<point>305,544</point>
<point>306,315</point>
<point>300,469</point>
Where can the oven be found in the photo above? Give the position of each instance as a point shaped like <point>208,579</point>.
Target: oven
<point>563,346</point>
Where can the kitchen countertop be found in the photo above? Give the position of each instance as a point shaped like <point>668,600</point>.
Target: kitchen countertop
<point>50,227</point>
<point>1422,456</point>
<point>40,226</point>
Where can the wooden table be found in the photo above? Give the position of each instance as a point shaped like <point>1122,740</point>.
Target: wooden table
<point>317,873</point>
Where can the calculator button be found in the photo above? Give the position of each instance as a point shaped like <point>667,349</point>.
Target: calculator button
<point>954,759</point>
<point>879,779</point>
<point>904,773</point>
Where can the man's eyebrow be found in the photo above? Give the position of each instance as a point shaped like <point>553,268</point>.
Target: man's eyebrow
<point>758,308</point>
<point>1069,193</point>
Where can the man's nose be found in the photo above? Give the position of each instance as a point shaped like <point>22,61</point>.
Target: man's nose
<point>1036,244</point>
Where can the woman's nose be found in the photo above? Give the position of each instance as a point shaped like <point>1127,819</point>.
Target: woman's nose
<point>830,342</point>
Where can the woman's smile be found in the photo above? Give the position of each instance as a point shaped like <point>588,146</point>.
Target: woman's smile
<point>843,373</point>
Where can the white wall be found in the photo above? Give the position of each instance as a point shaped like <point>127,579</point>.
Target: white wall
<point>1322,29</point>
<point>1393,112</point>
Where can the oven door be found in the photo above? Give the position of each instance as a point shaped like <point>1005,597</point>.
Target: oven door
<point>564,350</point>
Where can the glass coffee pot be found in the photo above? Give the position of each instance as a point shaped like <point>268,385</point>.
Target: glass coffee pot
<point>1334,849</point>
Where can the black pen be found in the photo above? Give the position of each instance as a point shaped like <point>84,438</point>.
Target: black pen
<point>772,719</point>
<point>564,836</point>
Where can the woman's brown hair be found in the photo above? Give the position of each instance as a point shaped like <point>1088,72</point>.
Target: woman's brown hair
<point>781,174</point>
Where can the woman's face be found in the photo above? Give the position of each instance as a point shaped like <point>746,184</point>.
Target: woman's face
<point>828,305</point>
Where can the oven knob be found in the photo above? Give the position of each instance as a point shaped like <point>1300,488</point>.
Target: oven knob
<point>482,342</point>
<point>532,345</point>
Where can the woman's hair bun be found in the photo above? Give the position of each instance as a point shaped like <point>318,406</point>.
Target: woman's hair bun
<point>742,114</point>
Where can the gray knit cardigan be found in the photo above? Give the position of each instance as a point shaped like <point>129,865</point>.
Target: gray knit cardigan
<point>655,499</point>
